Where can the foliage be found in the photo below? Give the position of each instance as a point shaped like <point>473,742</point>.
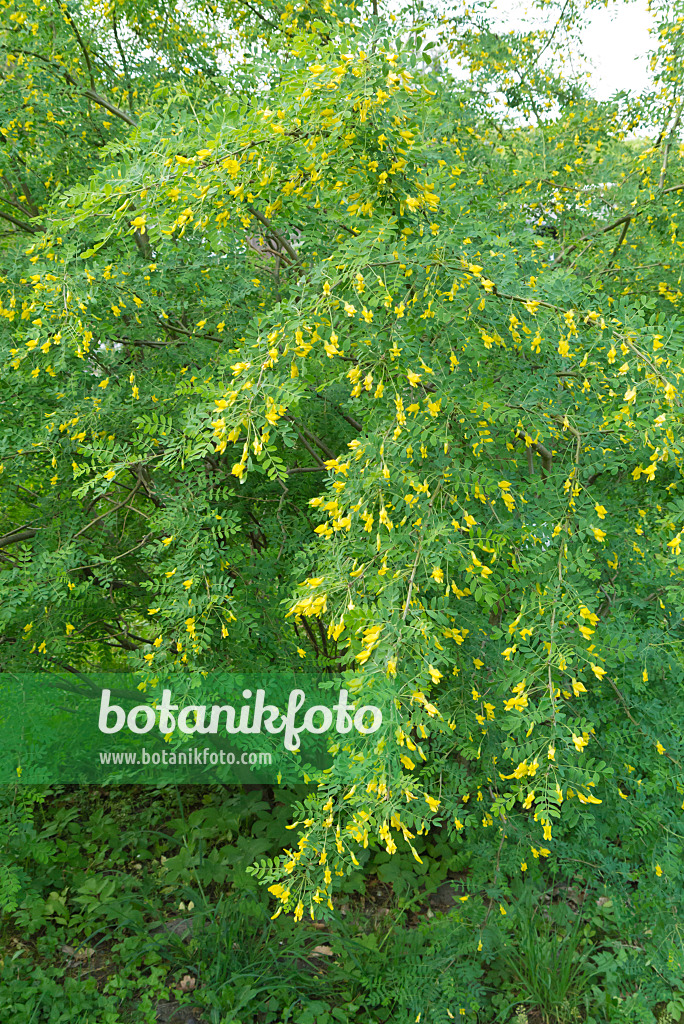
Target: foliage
<point>312,349</point>
<point>112,926</point>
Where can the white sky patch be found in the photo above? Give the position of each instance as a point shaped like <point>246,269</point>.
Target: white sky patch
<point>615,40</point>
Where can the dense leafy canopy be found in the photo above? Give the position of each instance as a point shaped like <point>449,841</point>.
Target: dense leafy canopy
<point>325,345</point>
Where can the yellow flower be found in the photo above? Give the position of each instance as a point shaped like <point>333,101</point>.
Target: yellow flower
<point>600,511</point>
<point>587,798</point>
<point>658,870</point>
<point>580,742</point>
<point>599,534</point>
<point>587,614</point>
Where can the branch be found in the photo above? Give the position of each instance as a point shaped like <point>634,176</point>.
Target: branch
<point>114,508</point>
<point>410,586</point>
<point>123,61</point>
<point>10,202</point>
<point>260,16</point>
<point>24,225</point>
<point>625,228</point>
<point>666,149</point>
<point>16,536</point>
<point>93,689</point>
<point>90,94</point>
<point>116,111</point>
<point>339,410</point>
<point>314,454</point>
<point>546,455</point>
<point>174,328</point>
<point>267,224</point>
<point>603,231</point>
<point>314,437</point>
<point>70,21</point>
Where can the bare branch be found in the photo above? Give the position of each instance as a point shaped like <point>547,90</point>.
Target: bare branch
<point>116,111</point>
<point>267,224</point>
<point>16,536</point>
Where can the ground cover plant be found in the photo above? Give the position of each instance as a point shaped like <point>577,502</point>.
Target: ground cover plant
<point>349,340</point>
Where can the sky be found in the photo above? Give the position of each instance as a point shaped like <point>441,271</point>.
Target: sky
<point>616,41</point>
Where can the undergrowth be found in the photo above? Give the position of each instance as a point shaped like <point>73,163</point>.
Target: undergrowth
<point>134,905</point>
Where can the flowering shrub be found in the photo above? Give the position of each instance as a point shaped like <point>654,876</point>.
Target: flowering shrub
<point>335,359</point>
